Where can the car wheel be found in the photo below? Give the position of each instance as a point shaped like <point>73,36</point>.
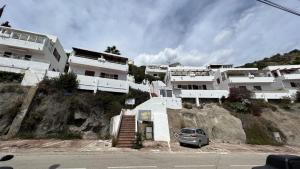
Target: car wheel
<point>199,144</point>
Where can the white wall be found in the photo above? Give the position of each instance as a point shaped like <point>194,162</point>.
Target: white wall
<point>141,87</point>
<point>158,107</point>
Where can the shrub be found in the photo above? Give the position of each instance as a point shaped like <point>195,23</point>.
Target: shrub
<point>67,82</point>
<point>138,143</point>
<point>187,105</point>
<point>239,94</point>
<point>11,89</point>
<point>11,77</point>
<point>285,103</point>
<point>139,96</point>
<point>237,107</point>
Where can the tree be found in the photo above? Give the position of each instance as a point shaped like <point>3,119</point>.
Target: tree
<point>239,94</point>
<point>6,24</point>
<point>112,50</point>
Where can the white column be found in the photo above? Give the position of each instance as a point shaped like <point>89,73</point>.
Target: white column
<point>197,102</point>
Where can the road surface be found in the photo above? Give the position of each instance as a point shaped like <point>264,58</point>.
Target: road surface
<point>135,160</point>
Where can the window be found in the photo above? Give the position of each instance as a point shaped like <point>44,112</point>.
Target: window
<point>190,87</point>
<point>89,73</point>
<point>184,87</point>
<point>116,76</point>
<point>243,87</point>
<point>218,81</point>
<point>32,38</point>
<point>179,86</point>
<point>16,35</point>
<point>293,84</point>
<point>7,54</point>
<point>155,75</point>
<point>204,87</point>
<point>27,57</point>
<point>40,40</point>
<point>24,37</point>
<point>195,87</point>
<point>56,55</point>
<point>257,88</point>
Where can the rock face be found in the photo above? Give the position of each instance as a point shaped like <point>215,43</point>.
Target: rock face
<point>217,122</point>
<point>288,122</point>
<point>11,98</point>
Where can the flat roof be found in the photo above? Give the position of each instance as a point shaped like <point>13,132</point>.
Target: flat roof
<point>95,55</point>
<point>282,67</point>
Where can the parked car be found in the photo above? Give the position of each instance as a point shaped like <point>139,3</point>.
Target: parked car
<point>281,162</point>
<point>193,136</point>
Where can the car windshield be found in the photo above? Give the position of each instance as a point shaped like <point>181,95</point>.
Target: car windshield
<point>187,131</point>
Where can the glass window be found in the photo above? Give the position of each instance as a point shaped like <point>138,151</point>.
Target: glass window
<point>195,87</point>
<point>89,73</point>
<point>27,57</point>
<point>204,87</point>
<point>243,87</point>
<point>56,55</point>
<point>184,87</point>
<point>190,87</point>
<point>116,76</point>
<point>179,86</point>
<point>187,131</point>
<point>257,88</point>
<point>102,75</point>
<point>293,84</point>
<point>7,54</point>
<point>218,81</point>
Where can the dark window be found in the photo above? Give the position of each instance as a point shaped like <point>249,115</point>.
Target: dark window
<point>195,87</point>
<point>243,87</point>
<point>293,84</point>
<point>190,87</point>
<point>89,73</point>
<point>187,131</point>
<point>116,76</point>
<point>218,81</point>
<point>27,57</point>
<point>257,88</point>
<point>204,87</point>
<point>102,75</point>
<point>184,87</point>
<point>56,55</point>
<point>7,54</point>
<point>154,75</point>
<point>179,86</point>
<point>275,74</point>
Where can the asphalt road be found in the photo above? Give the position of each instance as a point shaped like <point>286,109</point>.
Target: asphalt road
<point>135,160</point>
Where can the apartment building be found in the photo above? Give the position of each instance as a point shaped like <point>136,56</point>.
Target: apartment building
<point>23,50</point>
<point>99,71</point>
<point>156,70</point>
<point>194,83</point>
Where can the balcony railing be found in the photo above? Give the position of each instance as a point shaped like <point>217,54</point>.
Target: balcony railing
<point>22,64</point>
<point>97,63</point>
<point>251,79</point>
<point>213,94</point>
<point>192,78</point>
<point>293,76</point>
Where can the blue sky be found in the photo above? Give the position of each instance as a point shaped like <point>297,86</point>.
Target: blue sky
<point>192,32</point>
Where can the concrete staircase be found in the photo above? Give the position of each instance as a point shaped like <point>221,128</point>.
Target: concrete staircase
<point>126,135</point>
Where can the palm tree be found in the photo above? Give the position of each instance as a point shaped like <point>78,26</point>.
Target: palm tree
<point>6,24</point>
<point>112,50</point>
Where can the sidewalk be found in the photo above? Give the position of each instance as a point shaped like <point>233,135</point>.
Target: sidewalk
<point>19,146</point>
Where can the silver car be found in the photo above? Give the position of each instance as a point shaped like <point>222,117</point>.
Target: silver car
<point>193,136</point>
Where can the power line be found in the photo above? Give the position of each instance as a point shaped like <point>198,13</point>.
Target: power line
<point>273,4</point>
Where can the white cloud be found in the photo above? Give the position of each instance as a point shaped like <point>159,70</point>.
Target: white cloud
<point>188,31</point>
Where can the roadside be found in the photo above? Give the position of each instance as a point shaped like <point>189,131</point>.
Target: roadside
<point>20,146</point>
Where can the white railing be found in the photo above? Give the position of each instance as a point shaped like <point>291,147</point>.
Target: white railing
<point>22,64</point>
<point>98,63</point>
<point>271,94</point>
<point>213,94</point>
<point>251,79</point>
<point>291,76</point>
<point>193,78</point>
<point>102,84</point>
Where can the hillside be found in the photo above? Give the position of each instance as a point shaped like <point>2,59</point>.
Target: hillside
<point>291,58</point>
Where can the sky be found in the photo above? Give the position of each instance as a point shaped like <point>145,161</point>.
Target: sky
<point>191,32</point>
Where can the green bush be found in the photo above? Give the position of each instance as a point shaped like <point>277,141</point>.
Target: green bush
<point>285,103</point>
<point>10,77</point>
<point>187,105</point>
<point>237,107</point>
<point>239,94</point>
<point>11,89</point>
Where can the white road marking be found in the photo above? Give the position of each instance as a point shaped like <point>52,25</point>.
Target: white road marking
<point>245,165</point>
<point>132,167</point>
<point>193,166</point>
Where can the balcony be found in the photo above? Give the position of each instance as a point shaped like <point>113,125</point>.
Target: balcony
<point>97,63</point>
<point>20,39</point>
<point>102,84</point>
<point>192,78</point>
<point>207,94</point>
<point>291,76</point>
<point>251,79</point>
<point>271,94</point>
<point>11,63</point>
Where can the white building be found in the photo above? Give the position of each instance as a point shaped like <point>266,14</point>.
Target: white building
<point>22,50</point>
<point>156,70</point>
<point>194,82</point>
<point>260,82</point>
<point>99,70</point>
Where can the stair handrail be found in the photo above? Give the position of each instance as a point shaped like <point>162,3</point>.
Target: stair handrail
<point>119,125</point>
